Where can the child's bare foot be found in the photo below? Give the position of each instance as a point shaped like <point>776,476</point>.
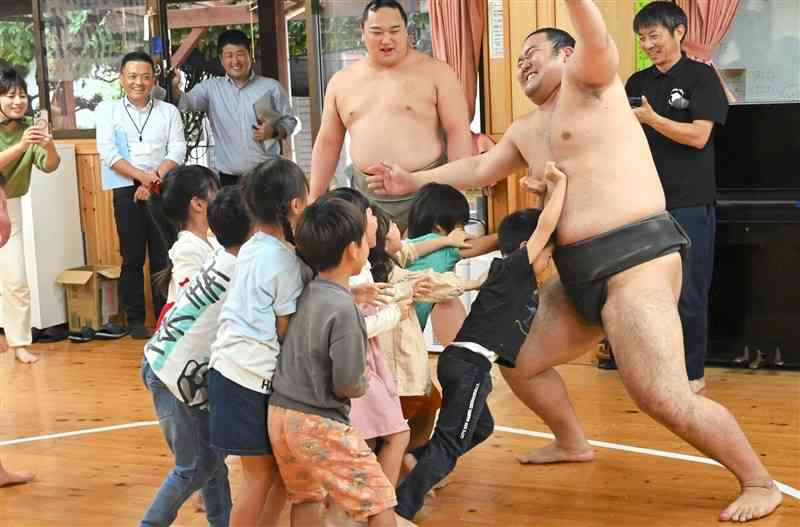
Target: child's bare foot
<point>10,478</point>
<point>554,453</point>
<point>25,356</point>
<point>756,501</point>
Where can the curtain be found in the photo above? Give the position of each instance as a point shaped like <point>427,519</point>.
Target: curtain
<point>456,34</point>
<point>709,22</point>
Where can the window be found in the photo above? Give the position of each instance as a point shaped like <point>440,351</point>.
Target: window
<point>340,32</point>
<point>17,46</point>
<point>760,56</point>
<point>85,41</point>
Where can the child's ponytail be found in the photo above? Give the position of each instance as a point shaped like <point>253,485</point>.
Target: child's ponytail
<point>169,208</point>
<point>268,191</point>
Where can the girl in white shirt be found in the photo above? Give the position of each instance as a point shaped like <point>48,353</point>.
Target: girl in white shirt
<point>179,207</point>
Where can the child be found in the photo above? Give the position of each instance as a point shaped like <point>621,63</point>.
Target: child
<point>436,211</point>
<point>263,294</point>
<point>404,347</point>
<point>378,413</point>
<point>322,366</point>
<point>175,368</point>
<point>494,331</point>
<point>179,209</point>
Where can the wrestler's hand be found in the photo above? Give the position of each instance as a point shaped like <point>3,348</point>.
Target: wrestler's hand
<point>389,179</point>
<point>645,112</point>
<point>377,294</point>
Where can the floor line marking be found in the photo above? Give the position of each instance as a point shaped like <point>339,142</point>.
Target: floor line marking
<point>137,424</point>
<point>786,489</point>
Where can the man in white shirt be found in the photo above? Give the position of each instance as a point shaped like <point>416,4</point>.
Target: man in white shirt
<point>139,139</point>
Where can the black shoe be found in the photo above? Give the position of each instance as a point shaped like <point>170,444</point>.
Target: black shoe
<point>138,331</point>
<point>111,331</point>
<point>607,364</point>
<point>84,335</point>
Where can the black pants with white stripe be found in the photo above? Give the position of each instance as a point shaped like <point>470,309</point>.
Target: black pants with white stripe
<point>464,422</point>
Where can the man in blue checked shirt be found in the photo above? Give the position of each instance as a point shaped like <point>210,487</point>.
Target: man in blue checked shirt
<point>249,114</point>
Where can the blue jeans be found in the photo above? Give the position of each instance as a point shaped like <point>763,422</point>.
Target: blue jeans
<point>698,267</point>
<point>197,465</point>
<point>464,422</point>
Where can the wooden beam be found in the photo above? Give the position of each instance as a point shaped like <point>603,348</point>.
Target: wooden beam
<point>268,16</point>
<point>188,44</point>
<point>209,16</point>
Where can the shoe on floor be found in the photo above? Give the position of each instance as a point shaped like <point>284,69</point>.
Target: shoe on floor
<point>607,363</point>
<point>111,331</point>
<point>139,332</point>
<point>84,335</point>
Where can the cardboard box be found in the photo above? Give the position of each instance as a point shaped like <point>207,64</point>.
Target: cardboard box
<point>91,293</point>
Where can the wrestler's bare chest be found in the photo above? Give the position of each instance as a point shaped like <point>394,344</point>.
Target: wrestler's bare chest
<point>387,97</point>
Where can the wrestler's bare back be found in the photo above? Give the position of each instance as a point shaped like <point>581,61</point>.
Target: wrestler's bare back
<point>595,139</point>
<point>391,113</point>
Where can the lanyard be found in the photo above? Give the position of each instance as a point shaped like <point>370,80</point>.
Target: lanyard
<point>140,132</point>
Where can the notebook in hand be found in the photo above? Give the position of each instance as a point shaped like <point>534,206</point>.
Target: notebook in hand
<point>265,112</point>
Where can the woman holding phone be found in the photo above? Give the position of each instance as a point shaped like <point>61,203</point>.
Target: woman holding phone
<point>22,145</point>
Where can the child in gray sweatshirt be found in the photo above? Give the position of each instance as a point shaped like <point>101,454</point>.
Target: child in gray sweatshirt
<point>320,368</point>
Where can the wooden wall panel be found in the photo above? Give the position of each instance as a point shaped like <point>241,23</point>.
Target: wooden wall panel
<point>100,240</point>
<point>497,81</point>
<point>505,101</point>
<point>618,15</point>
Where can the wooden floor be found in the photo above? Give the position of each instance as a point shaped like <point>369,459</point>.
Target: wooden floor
<point>108,478</point>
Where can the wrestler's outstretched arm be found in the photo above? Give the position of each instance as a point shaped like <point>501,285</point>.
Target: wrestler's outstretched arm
<point>328,144</point>
<point>595,62</point>
<point>470,172</point>
<point>537,246</point>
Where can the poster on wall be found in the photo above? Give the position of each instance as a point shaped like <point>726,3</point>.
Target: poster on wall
<point>642,60</point>
<point>497,38</point>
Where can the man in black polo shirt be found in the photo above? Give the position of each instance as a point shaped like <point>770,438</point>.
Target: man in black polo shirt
<point>681,102</point>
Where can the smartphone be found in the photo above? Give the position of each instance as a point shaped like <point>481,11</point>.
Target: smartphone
<point>41,120</point>
<point>635,102</point>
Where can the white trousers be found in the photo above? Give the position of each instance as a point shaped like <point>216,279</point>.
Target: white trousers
<point>16,297</point>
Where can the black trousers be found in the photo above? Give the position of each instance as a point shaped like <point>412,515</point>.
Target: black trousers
<point>464,422</point>
<point>698,267</point>
<point>138,235</point>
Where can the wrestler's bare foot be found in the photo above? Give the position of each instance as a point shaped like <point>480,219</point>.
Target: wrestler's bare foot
<point>555,453</point>
<point>23,355</point>
<point>756,501</point>
<point>698,386</point>
<point>10,478</point>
